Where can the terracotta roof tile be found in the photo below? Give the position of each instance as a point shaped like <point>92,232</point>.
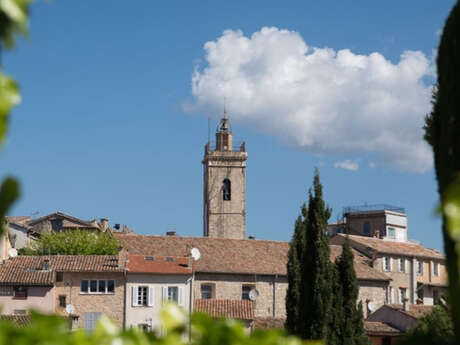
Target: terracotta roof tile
<point>230,309</point>
<point>361,263</point>
<point>414,310</point>
<point>158,264</point>
<point>392,247</point>
<point>232,256</point>
<point>380,328</point>
<point>217,255</point>
<point>33,270</point>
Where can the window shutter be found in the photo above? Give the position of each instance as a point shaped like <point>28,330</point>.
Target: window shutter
<point>164,294</point>
<point>134,291</point>
<point>180,298</point>
<point>150,297</point>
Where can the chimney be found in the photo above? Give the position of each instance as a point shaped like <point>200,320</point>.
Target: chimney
<point>251,237</point>
<point>125,229</point>
<point>117,226</point>
<point>377,233</point>
<point>45,265</point>
<point>171,233</point>
<point>104,224</point>
<point>406,304</point>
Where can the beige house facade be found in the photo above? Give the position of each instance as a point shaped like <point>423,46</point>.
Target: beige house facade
<point>152,281</point>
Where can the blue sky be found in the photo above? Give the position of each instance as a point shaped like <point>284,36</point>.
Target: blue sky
<point>111,127</point>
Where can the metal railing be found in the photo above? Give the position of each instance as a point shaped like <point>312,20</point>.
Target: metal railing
<point>372,208</point>
<point>238,146</point>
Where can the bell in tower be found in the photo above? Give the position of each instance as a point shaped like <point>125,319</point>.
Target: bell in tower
<point>224,199</point>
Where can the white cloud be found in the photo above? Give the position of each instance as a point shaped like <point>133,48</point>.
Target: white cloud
<point>318,99</point>
<point>347,165</point>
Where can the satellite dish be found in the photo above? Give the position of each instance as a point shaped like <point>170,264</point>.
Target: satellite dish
<point>70,309</point>
<point>253,295</point>
<point>371,306</point>
<point>12,253</point>
<point>195,254</point>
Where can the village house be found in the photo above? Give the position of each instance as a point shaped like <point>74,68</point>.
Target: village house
<point>92,285</point>
<point>389,323</point>
<point>150,282</point>
<point>417,274</point>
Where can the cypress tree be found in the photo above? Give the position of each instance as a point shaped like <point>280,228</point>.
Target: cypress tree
<point>351,323</point>
<point>316,270</point>
<point>294,274</point>
<point>442,128</point>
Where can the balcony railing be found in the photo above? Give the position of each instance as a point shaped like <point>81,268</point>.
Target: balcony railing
<point>238,146</point>
<point>372,208</point>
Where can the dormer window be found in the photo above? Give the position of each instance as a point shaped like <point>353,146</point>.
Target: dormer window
<point>227,189</point>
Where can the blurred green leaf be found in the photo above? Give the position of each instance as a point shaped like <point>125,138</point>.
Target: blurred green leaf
<point>9,97</point>
<point>9,192</point>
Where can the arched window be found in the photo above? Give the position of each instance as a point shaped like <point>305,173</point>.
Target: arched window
<point>366,228</point>
<point>227,189</point>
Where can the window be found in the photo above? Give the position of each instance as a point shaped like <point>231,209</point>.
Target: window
<point>391,233</point>
<point>110,286</point>
<point>245,291</point>
<point>62,301</point>
<point>173,293</point>
<point>90,320</point>
<point>420,268</point>
<point>142,296</point>
<point>227,189</point>
<point>436,298</point>
<point>20,292</point>
<point>402,265</point>
<point>19,312</point>
<point>391,297</point>
<point>142,292</point>
<point>436,268</point>
<point>97,286</point>
<point>206,291</point>
<point>144,327</point>
<point>366,228</point>
<point>386,263</point>
<point>402,295</point>
<point>93,286</point>
<point>420,291</point>
<point>59,276</point>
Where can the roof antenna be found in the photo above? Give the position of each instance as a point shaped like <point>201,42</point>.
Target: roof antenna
<point>225,107</point>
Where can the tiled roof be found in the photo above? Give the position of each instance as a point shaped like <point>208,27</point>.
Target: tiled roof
<point>361,263</point>
<point>20,220</point>
<point>217,255</point>
<point>158,264</point>
<point>415,310</point>
<point>269,322</point>
<point>380,328</point>
<point>230,309</point>
<point>17,320</point>
<point>392,247</point>
<point>232,256</point>
<point>36,270</point>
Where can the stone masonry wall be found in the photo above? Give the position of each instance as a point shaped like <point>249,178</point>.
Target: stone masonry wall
<point>225,218</point>
<point>111,305</point>
<point>228,286</point>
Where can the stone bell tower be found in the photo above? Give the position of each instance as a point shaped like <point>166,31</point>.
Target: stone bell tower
<point>224,168</point>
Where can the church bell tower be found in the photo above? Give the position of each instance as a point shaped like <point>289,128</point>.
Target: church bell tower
<point>224,169</point>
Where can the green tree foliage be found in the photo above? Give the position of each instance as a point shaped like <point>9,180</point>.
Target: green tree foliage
<point>434,328</point>
<point>13,20</point>
<point>316,270</point>
<point>75,242</point>
<point>442,131</point>
<point>349,315</point>
<point>54,330</point>
<point>294,274</point>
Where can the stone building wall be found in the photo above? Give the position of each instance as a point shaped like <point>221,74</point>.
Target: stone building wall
<point>372,291</point>
<point>40,298</point>
<point>111,305</point>
<point>225,218</point>
<point>229,286</point>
